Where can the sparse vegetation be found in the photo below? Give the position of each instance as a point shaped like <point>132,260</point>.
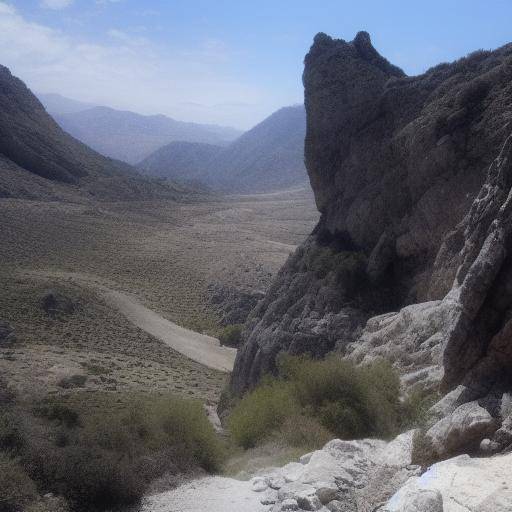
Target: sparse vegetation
<point>231,335</point>
<point>97,459</point>
<point>324,397</point>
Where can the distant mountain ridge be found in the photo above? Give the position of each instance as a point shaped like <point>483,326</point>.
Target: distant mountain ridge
<point>56,104</point>
<point>36,155</point>
<point>270,156</point>
<point>131,137</point>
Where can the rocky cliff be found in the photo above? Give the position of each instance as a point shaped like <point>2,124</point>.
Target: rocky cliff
<point>410,260</point>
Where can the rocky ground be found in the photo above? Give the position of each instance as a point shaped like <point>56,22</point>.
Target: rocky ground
<point>354,476</point>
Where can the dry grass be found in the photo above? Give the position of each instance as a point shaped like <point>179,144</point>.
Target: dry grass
<point>166,254</point>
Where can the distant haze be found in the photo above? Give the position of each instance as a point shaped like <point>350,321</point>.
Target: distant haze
<point>229,63</point>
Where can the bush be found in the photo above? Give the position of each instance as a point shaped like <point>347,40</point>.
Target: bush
<point>338,397</point>
<point>16,487</point>
<point>60,413</point>
<point>261,412</point>
<point>304,432</point>
<point>111,457</point>
<point>231,335</point>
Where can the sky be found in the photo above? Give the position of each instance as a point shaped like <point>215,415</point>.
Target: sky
<point>229,62</point>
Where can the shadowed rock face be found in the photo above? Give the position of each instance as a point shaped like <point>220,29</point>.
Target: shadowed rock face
<point>395,163</point>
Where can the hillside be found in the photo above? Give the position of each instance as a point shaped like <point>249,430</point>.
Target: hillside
<point>131,137</point>
<point>270,156</point>
<point>183,161</point>
<point>37,157</point>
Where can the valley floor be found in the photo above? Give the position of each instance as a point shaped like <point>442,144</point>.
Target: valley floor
<point>154,260</point>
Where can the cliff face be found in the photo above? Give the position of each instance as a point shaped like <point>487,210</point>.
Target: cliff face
<point>396,164</point>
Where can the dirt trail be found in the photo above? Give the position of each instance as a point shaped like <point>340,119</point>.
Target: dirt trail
<point>198,347</point>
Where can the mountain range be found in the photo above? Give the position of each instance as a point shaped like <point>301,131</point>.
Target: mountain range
<point>126,135</point>
<point>270,156</point>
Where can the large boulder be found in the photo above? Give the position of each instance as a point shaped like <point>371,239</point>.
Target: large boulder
<point>462,430</point>
<point>462,483</point>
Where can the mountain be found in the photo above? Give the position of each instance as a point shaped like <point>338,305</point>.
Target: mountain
<point>411,261</point>
<point>270,156</point>
<point>131,137</point>
<point>38,158</point>
<point>183,161</point>
<point>55,104</point>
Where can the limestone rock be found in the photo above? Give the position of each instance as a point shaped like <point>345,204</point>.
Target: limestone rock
<point>483,485</point>
<point>461,430</point>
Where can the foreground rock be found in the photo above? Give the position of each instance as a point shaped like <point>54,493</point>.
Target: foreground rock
<point>458,485</point>
<point>354,476</point>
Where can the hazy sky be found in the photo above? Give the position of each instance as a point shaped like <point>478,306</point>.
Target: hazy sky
<point>229,62</point>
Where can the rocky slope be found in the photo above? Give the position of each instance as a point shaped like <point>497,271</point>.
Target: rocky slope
<point>131,137</point>
<point>354,476</point>
<point>270,156</point>
<point>411,258</point>
<point>38,159</point>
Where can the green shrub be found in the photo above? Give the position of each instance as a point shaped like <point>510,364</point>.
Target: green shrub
<point>11,436</point>
<point>304,432</point>
<point>60,413</point>
<point>261,412</point>
<point>111,457</point>
<point>415,409</point>
<point>423,453</point>
<point>349,401</point>
<point>16,487</point>
<point>231,335</point>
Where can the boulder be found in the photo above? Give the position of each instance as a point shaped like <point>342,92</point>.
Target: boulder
<point>461,430</point>
<point>483,485</point>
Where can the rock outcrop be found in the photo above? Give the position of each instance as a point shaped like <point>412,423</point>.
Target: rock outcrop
<point>410,260</point>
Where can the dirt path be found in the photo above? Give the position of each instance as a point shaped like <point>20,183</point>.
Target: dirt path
<point>213,494</point>
<point>198,347</point>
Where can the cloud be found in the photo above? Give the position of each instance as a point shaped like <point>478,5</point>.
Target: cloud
<point>56,4</point>
<point>131,72</point>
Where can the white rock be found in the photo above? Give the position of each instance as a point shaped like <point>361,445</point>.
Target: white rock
<point>276,481</point>
<point>480,485</point>
<point>292,471</point>
<point>289,504</point>
<point>397,453</point>
<point>259,484</point>
<point>293,489</point>
<point>305,458</point>
<point>462,429</point>
<point>417,500</point>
